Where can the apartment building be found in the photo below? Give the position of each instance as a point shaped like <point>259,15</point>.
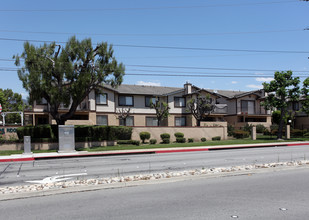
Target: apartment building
<point>105,106</point>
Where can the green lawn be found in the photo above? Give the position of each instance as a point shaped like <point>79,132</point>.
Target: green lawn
<point>260,139</point>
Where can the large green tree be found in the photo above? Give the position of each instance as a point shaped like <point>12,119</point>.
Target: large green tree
<point>11,102</point>
<point>283,89</point>
<point>66,75</point>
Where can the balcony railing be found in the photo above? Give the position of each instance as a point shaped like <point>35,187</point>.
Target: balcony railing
<point>220,109</point>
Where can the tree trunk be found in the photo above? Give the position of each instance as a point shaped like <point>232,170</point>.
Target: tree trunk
<point>198,123</point>
<point>281,124</point>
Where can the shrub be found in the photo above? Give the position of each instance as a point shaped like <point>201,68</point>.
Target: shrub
<point>190,140</point>
<point>165,138</point>
<point>306,134</point>
<point>203,139</point>
<point>297,132</point>
<point>180,140</point>
<point>165,135</point>
<point>40,131</point>
<point>230,130</point>
<point>239,134</point>
<point>119,133</point>
<point>100,133</point>
<point>248,128</point>
<point>260,128</point>
<point>216,138</point>
<point>179,135</point>
<point>144,136</point>
<point>165,141</point>
<point>83,131</point>
<point>129,142</point>
<point>266,132</point>
<point>152,141</point>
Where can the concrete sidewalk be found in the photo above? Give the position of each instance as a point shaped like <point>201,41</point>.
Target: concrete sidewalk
<point>54,155</point>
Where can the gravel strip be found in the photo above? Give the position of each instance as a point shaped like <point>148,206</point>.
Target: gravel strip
<point>154,176</point>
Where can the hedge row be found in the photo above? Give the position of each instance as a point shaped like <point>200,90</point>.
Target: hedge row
<point>82,132</point>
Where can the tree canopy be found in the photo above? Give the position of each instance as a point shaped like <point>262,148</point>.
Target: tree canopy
<point>11,102</point>
<point>305,98</point>
<point>66,75</point>
<point>283,89</point>
<point>162,110</point>
<point>201,107</point>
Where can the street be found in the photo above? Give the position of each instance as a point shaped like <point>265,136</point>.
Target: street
<point>19,173</point>
<point>270,195</point>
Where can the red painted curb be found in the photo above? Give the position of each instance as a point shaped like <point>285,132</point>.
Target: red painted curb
<point>177,151</point>
<point>299,144</point>
<point>17,159</point>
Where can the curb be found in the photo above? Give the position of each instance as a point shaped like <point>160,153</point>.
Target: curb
<point>155,151</point>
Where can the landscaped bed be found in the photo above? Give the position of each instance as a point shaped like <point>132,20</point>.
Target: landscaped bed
<point>260,139</point>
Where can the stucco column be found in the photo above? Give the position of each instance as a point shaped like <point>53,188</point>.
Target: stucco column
<point>253,133</point>
<point>288,132</point>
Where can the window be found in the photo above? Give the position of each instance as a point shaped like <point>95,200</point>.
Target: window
<point>125,100</point>
<point>150,99</point>
<point>102,120</point>
<point>151,121</point>
<point>128,121</point>
<point>101,99</point>
<point>41,102</point>
<point>295,106</point>
<point>179,102</point>
<point>247,107</point>
<point>180,121</point>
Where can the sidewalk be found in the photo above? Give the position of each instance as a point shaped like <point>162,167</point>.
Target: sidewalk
<point>55,155</point>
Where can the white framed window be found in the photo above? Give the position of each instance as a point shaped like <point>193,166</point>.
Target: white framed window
<point>180,121</point>
<point>102,120</point>
<point>125,100</point>
<point>179,102</point>
<point>101,98</point>
<point>151,121</point>
<point>128,121</point>
<point>150,100</point>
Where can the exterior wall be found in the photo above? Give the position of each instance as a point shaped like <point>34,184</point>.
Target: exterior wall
<point>233,120</point>
<point>301,122</point>
<point>110,107</point>
<point>173,109</point>
<point>8,132</point>
<point>189,132</point>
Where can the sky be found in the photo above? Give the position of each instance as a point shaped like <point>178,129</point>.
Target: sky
<point>222,44</point>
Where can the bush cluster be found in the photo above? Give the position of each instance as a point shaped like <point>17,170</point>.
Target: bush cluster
<point>190,140</point>
<point>128,142</point>
<point>216,138</point>
<point>144,136</point>
<point>49,133</point>
<point>165,138</point>
<point>203,139</point>
<point>152,141</point>
<point>239,134</point>
<point>180,137</point>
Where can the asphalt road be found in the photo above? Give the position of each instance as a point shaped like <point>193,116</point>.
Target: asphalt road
<point>271,195</point>
<point>18,173</point>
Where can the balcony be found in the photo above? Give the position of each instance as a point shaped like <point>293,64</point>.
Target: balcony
<point>220,109</point>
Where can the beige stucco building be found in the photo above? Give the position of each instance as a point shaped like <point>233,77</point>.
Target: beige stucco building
<point>105,107</point>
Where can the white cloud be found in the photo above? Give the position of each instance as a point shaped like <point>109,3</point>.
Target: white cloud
<point>254,86</point>
<point>264,79</point>
<point>234,82</point>
<point>142,83</point>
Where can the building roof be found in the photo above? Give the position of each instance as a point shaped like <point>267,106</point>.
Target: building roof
<point>143,90</point>
<point>161,90</point>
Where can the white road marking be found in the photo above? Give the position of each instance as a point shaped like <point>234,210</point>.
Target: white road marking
<point>54,179</point>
